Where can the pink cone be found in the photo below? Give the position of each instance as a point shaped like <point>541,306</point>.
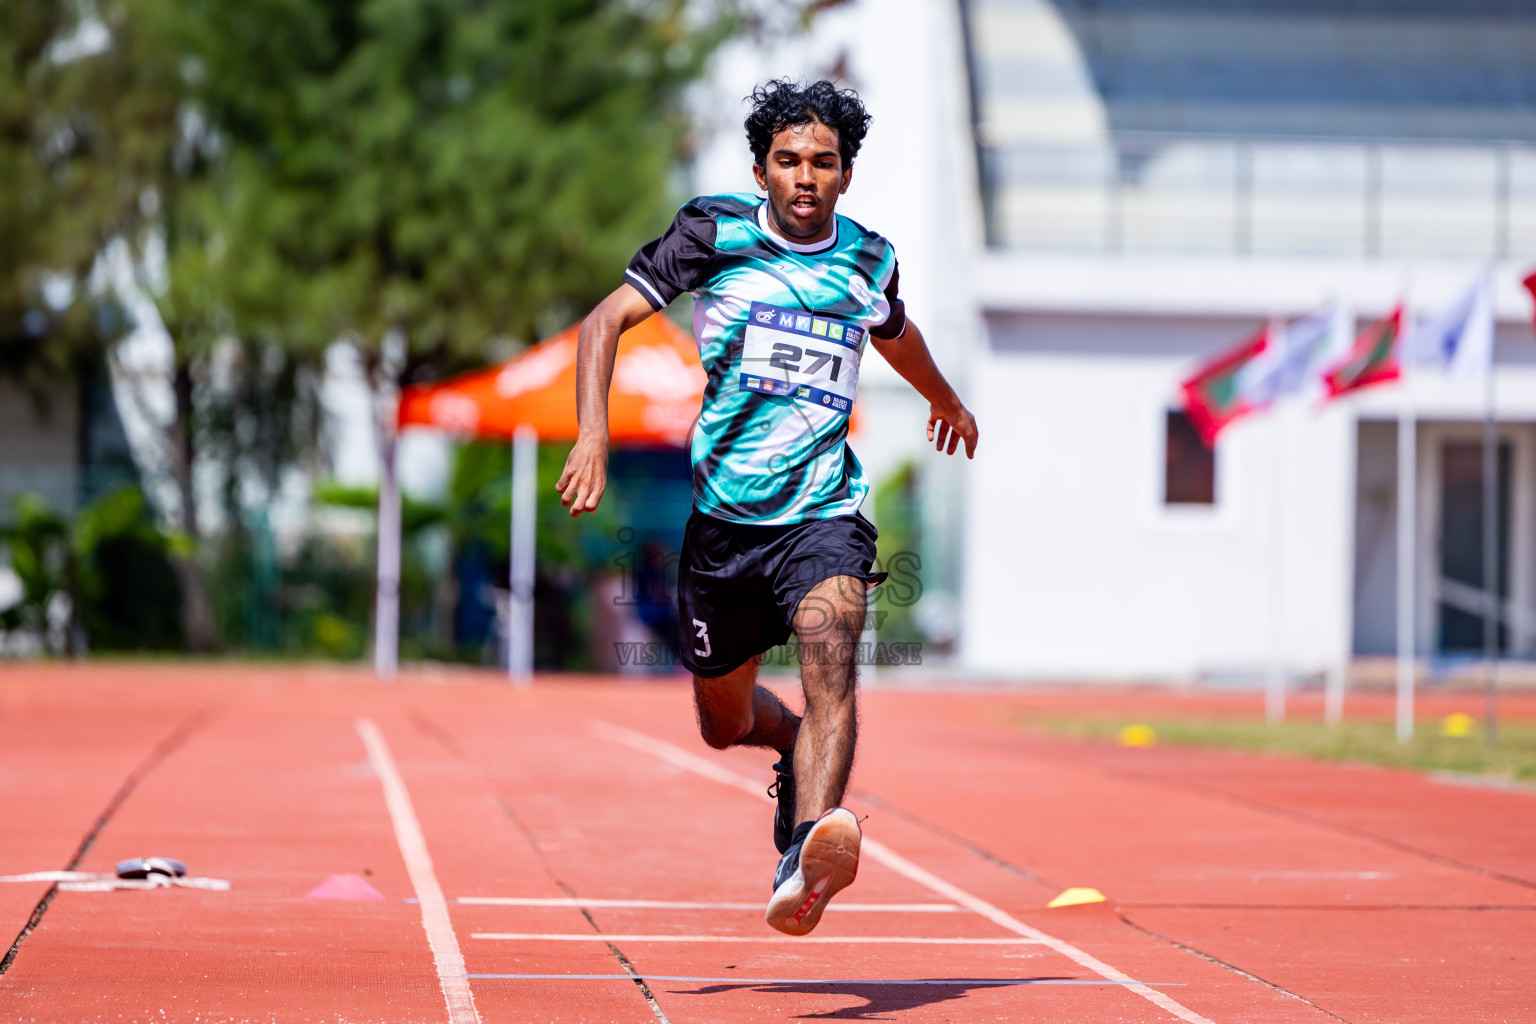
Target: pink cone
<point>344,887</point>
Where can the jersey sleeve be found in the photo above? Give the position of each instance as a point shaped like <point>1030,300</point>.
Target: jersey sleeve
<point>677,262</point>
<point>896,324</point>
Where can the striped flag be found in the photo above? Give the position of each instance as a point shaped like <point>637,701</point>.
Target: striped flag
<point>1213,395</point>
<point>1376,357</point>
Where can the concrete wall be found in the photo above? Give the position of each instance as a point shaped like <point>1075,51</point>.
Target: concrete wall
<point>1074,567</point>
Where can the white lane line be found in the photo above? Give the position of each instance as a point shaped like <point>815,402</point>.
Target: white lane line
<point>908,940</point>
<point>945,982</point>
<point>57,876</point>
<point>902,866</point>
<point>893,860</point>
<point>418,864</point>
<point>106,881</point>
<point>539,901</point>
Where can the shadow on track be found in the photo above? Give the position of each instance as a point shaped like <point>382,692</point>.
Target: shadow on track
<point>880,997</point>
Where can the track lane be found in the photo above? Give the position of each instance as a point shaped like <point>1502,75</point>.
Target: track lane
<point>1219,853</point>
<point>276,795</point>
<point>1411,809</point>
<point>60,767</point>
<point>682,837</point>
<point>481,846</point>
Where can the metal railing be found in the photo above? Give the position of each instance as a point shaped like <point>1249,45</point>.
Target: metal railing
<point>1294,196</point>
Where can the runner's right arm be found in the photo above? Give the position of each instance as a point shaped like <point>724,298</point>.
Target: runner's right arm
<point>585,475</point>
<point>663,269</point>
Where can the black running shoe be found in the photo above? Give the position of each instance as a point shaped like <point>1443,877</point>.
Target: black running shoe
<point>783,790</point>
<point>822,860</point>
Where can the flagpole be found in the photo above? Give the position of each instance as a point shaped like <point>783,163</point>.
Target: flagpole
<point>1491,596</point>
<point>1274,682</point>
<point>1407,476</point>
<point>1341,334</point>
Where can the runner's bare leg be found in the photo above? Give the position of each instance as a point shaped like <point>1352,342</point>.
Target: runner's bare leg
<point>829,622</point>
<point>735,711</point>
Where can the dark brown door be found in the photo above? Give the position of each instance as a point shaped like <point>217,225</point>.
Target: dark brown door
<point>1461,543</point>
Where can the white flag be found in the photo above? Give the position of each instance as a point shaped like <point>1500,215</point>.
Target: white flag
<point>1294,356</point>
<point>1458,339</point>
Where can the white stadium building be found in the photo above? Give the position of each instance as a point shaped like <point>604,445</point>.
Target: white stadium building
<point>1089,200</point>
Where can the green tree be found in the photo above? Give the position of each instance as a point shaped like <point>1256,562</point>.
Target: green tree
<point>437,181</point>
<point>95,137</point>
<point>440,174</point>
<point>55,212</point>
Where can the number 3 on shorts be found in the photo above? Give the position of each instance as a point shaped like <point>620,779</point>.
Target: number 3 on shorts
<point>703,635</point>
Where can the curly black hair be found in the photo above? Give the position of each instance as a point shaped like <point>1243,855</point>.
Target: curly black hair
<point>783,103</point>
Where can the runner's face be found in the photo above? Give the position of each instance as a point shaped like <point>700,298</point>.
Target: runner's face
<point>803,177</point>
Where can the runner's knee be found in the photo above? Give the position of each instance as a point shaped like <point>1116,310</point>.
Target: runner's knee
<point>721,731</point>
<point>832,614</point>
<point>829,685</point>
<point>725,710</point>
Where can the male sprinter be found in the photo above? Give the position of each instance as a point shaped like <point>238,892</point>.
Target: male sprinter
<point>785,294</point>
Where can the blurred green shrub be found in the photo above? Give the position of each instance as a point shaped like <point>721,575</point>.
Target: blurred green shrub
<point>40,556</point>
<point>130,599</point>
<point>897,517</point>
<point>475,513</point>
<point>316,601</point>
<point>111,561</point>
<point>336,637</point>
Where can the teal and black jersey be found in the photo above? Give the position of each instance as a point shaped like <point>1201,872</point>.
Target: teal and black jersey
<point>780,328</point>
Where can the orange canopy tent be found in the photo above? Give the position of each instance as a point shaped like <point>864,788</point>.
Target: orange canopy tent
<point>658,387</point>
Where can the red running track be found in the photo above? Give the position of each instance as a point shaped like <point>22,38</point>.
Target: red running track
<point>1241,889</point>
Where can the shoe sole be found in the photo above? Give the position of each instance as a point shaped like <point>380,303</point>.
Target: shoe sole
<point>829,862</point>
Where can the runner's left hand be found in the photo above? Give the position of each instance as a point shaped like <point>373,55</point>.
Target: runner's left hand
<point>952,424</point>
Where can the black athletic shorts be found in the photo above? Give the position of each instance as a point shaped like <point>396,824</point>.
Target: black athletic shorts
<point>738,585</point>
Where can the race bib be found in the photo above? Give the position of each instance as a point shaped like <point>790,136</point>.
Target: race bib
<point>805,356</point>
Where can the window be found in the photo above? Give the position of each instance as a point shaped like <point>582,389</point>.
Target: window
<point>1189,467</point>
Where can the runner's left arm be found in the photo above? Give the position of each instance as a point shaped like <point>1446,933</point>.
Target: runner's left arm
<point>948,418</point>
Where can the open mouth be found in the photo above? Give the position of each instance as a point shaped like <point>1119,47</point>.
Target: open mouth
<point>803,204</point>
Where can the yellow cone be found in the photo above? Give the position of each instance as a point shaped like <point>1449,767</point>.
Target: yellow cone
<point>1076,897</point>
<point>1458,724</point>
<point>1137,736</point>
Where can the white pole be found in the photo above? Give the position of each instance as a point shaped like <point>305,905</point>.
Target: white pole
<point>1274,678</point>
<point>525,460</point>
<point>386,625</point>
<point>1492,613</point>
<point>1407,479</point>
<point>1341,337</point>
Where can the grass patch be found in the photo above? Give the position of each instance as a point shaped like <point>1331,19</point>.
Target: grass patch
<point>1363,742</point>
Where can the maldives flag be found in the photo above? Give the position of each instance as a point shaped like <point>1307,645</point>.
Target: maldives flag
<point>1530,286</point>
<point>1214,397</point>
<point>1376,357</point>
